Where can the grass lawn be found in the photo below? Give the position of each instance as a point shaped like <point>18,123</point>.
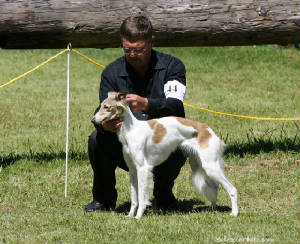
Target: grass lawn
<point>262,156</point>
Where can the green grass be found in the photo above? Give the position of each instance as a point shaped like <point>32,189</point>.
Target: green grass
<point>262,156</point>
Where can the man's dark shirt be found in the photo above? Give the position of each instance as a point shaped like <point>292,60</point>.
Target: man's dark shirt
<point>119,76</point>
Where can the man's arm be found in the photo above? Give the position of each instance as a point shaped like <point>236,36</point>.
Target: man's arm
<point>106,85</point>
<point>174,90</point>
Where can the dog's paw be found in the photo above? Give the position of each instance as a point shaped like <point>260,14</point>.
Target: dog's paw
<point>129,215</point>
<point>138,216</point>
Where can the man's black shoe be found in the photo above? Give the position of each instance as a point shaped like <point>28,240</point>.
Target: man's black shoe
<point>97,206</point>
<point>164,206</point>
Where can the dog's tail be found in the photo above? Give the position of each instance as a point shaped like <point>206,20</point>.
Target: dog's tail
<point>222,146</point>
<point>221,152</point>
<point>202,183</point>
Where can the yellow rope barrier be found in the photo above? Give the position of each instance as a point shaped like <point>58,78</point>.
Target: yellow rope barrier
<point>185,104</point>
<point>87,58</point>
<point>34,69</point>
<point>240,116</point>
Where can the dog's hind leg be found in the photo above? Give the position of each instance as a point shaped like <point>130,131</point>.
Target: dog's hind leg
<point>220,177</point>
<point>144,175</point>
<point>217,174</point>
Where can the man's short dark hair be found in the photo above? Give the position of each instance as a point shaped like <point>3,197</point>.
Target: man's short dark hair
<point>136,27</point>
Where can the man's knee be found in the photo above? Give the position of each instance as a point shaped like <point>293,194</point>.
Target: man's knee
<point>168,171</point>
<point>101,140</point>
<point>105,148</point>
<point>174,162</point>
<point>92,141</point>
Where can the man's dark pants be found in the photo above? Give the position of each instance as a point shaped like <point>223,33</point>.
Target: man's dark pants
<point>105,154</point>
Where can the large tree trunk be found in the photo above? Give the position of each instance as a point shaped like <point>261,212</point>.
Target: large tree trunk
<point>95,23</point>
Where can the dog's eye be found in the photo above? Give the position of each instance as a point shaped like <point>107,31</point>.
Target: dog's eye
<point>107,107</point>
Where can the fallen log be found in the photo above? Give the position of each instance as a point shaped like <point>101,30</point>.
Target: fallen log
<point>95,23</point>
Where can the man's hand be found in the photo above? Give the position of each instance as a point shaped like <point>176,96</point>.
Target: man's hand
<point>137,103</point>
<point>112,125</point>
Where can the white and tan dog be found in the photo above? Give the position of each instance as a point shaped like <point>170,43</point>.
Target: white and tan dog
<point>147,144</point>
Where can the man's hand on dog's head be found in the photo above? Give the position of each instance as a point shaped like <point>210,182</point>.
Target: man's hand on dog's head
<point>137,103</point>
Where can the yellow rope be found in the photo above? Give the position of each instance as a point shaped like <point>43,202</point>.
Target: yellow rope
<point>34,69</point>
<point>87,58</point>
<point>240,116</point>
<point>185,104</point>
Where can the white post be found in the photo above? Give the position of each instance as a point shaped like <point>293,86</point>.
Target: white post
<point>67,126</point>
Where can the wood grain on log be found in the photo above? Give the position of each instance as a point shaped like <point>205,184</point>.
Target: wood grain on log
<point>95,23</point>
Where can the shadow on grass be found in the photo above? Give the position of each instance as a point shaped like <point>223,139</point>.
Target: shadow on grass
<point>184,206</point>
<point>252,146</point>
<point>195,205</point>
<point>266,145</point>
<point>40,157</point>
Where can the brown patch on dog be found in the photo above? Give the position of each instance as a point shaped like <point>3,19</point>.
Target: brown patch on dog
<point>159,130</point>
<point>188,122</point>
<point>202,134</point>
<point>159,133</point>
<point>152,123</point>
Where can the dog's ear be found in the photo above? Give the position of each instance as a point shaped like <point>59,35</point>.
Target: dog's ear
<point>111,94</point>
<point>121,96</point>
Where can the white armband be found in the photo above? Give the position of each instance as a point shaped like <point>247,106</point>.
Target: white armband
<point>175,89</point>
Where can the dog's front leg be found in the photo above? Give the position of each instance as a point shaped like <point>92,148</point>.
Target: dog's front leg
<point>144,175</point>
<point>133,183</point>
<point>133,191</point>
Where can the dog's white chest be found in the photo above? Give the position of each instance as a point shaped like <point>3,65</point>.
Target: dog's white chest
<point>126,138</point>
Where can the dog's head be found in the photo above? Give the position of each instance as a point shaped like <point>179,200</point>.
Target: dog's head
<point>111,108</point>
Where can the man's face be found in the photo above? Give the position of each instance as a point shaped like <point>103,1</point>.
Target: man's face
<point>137,52</point>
